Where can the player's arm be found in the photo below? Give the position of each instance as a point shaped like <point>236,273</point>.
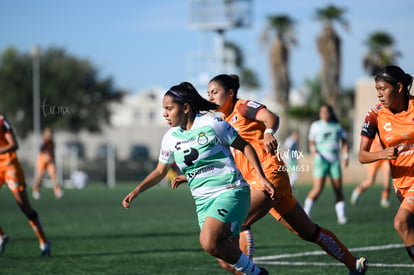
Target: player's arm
<point>243,146</point>
<point>12,144</point>
<point>312,147</point>
<point>345,151</point>
<point>311,140</point>
<point>271,121</point>
<point>366,156</point>
<point>150,180</point>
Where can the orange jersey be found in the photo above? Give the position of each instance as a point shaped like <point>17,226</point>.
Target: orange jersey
<point>48,148</point>
<point>394,130</point>
<point>384,165</point>
<point>243,120</point>
<point>8,158</point>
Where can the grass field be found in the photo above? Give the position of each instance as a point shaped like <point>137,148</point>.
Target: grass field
<point>92,234</point>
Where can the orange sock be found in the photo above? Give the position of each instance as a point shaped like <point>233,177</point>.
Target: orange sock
<point>335,248</point>
<point>246,242</point>
<point>385,194</point>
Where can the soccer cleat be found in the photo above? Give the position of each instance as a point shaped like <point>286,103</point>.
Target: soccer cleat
<point>45,249</point>
<point>263,271</point>
<point>3,241</point>
<point>36,195</point>
<point>360,267</point>
<point>384,203</point>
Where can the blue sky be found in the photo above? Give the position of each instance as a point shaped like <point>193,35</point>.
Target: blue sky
<point>144,44</point>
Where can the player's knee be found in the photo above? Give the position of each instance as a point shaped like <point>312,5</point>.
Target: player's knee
<point>208,244</point>
<point>244,228</point>
<point>32,215</point>
<point>312,238</point>
<point>400,225</point>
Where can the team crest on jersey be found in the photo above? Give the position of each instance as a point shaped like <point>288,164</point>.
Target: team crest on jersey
<point>165,153</point>
<point>234,119</point>
<point>202,138</point>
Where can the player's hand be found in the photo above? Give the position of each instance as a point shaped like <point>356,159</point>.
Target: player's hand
<point>126,202</point>
<point>269,188</point>
<point>177,181</point>
<point>391,152</point>
<point>270,144</point>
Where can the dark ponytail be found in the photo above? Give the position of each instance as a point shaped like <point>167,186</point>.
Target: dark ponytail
<point>186,93</point>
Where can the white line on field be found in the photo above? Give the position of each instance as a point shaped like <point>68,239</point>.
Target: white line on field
<point>267,259</point>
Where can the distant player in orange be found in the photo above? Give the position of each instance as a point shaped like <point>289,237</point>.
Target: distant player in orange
<point>393,121</point>
<point>46,163</point>
<point>12,175</point>
<point>372,170</point>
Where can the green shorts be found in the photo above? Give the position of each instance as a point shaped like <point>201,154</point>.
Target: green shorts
<point>231,206</point>
<point>323,168</point>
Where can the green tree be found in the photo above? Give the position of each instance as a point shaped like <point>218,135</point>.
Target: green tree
<point>380,52</point>
<point>72,97</point>
<point>329,46</point>
<point>281,28</point>
<point>313,100</point>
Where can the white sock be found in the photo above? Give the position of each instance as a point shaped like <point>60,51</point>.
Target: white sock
<point>308,206</point>
<point>354,195</point>
<point>340,209</point>
<point>246,266</point>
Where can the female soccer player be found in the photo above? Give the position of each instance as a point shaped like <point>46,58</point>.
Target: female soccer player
<point>257,125</point>
<point>326,137</point>
<point>372,170</point>
<point>393,119</point>
<point>46,162</point>
<point>12,175</point>
<point>200,146</point>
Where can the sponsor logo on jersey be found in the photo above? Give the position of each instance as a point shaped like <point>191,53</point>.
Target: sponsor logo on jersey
<point>387,127</point>
<point>253,104</point>
<point>200,171</point>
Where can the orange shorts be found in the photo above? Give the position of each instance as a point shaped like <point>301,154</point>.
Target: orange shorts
<point>45,163</point>
<point>406,196</point>
<point>13,177</point>
<point>284,196</point>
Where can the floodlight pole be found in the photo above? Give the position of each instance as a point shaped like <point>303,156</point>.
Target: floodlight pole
<point>220,51</point>
<point>35,53</point>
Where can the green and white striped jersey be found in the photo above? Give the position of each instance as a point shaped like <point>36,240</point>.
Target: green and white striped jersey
<point>203,155</point>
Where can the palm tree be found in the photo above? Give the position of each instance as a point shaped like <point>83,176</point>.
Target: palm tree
<point>248,77</point>
<point>329,46</point>
<point>281,26</point>
<point>380,53</point>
